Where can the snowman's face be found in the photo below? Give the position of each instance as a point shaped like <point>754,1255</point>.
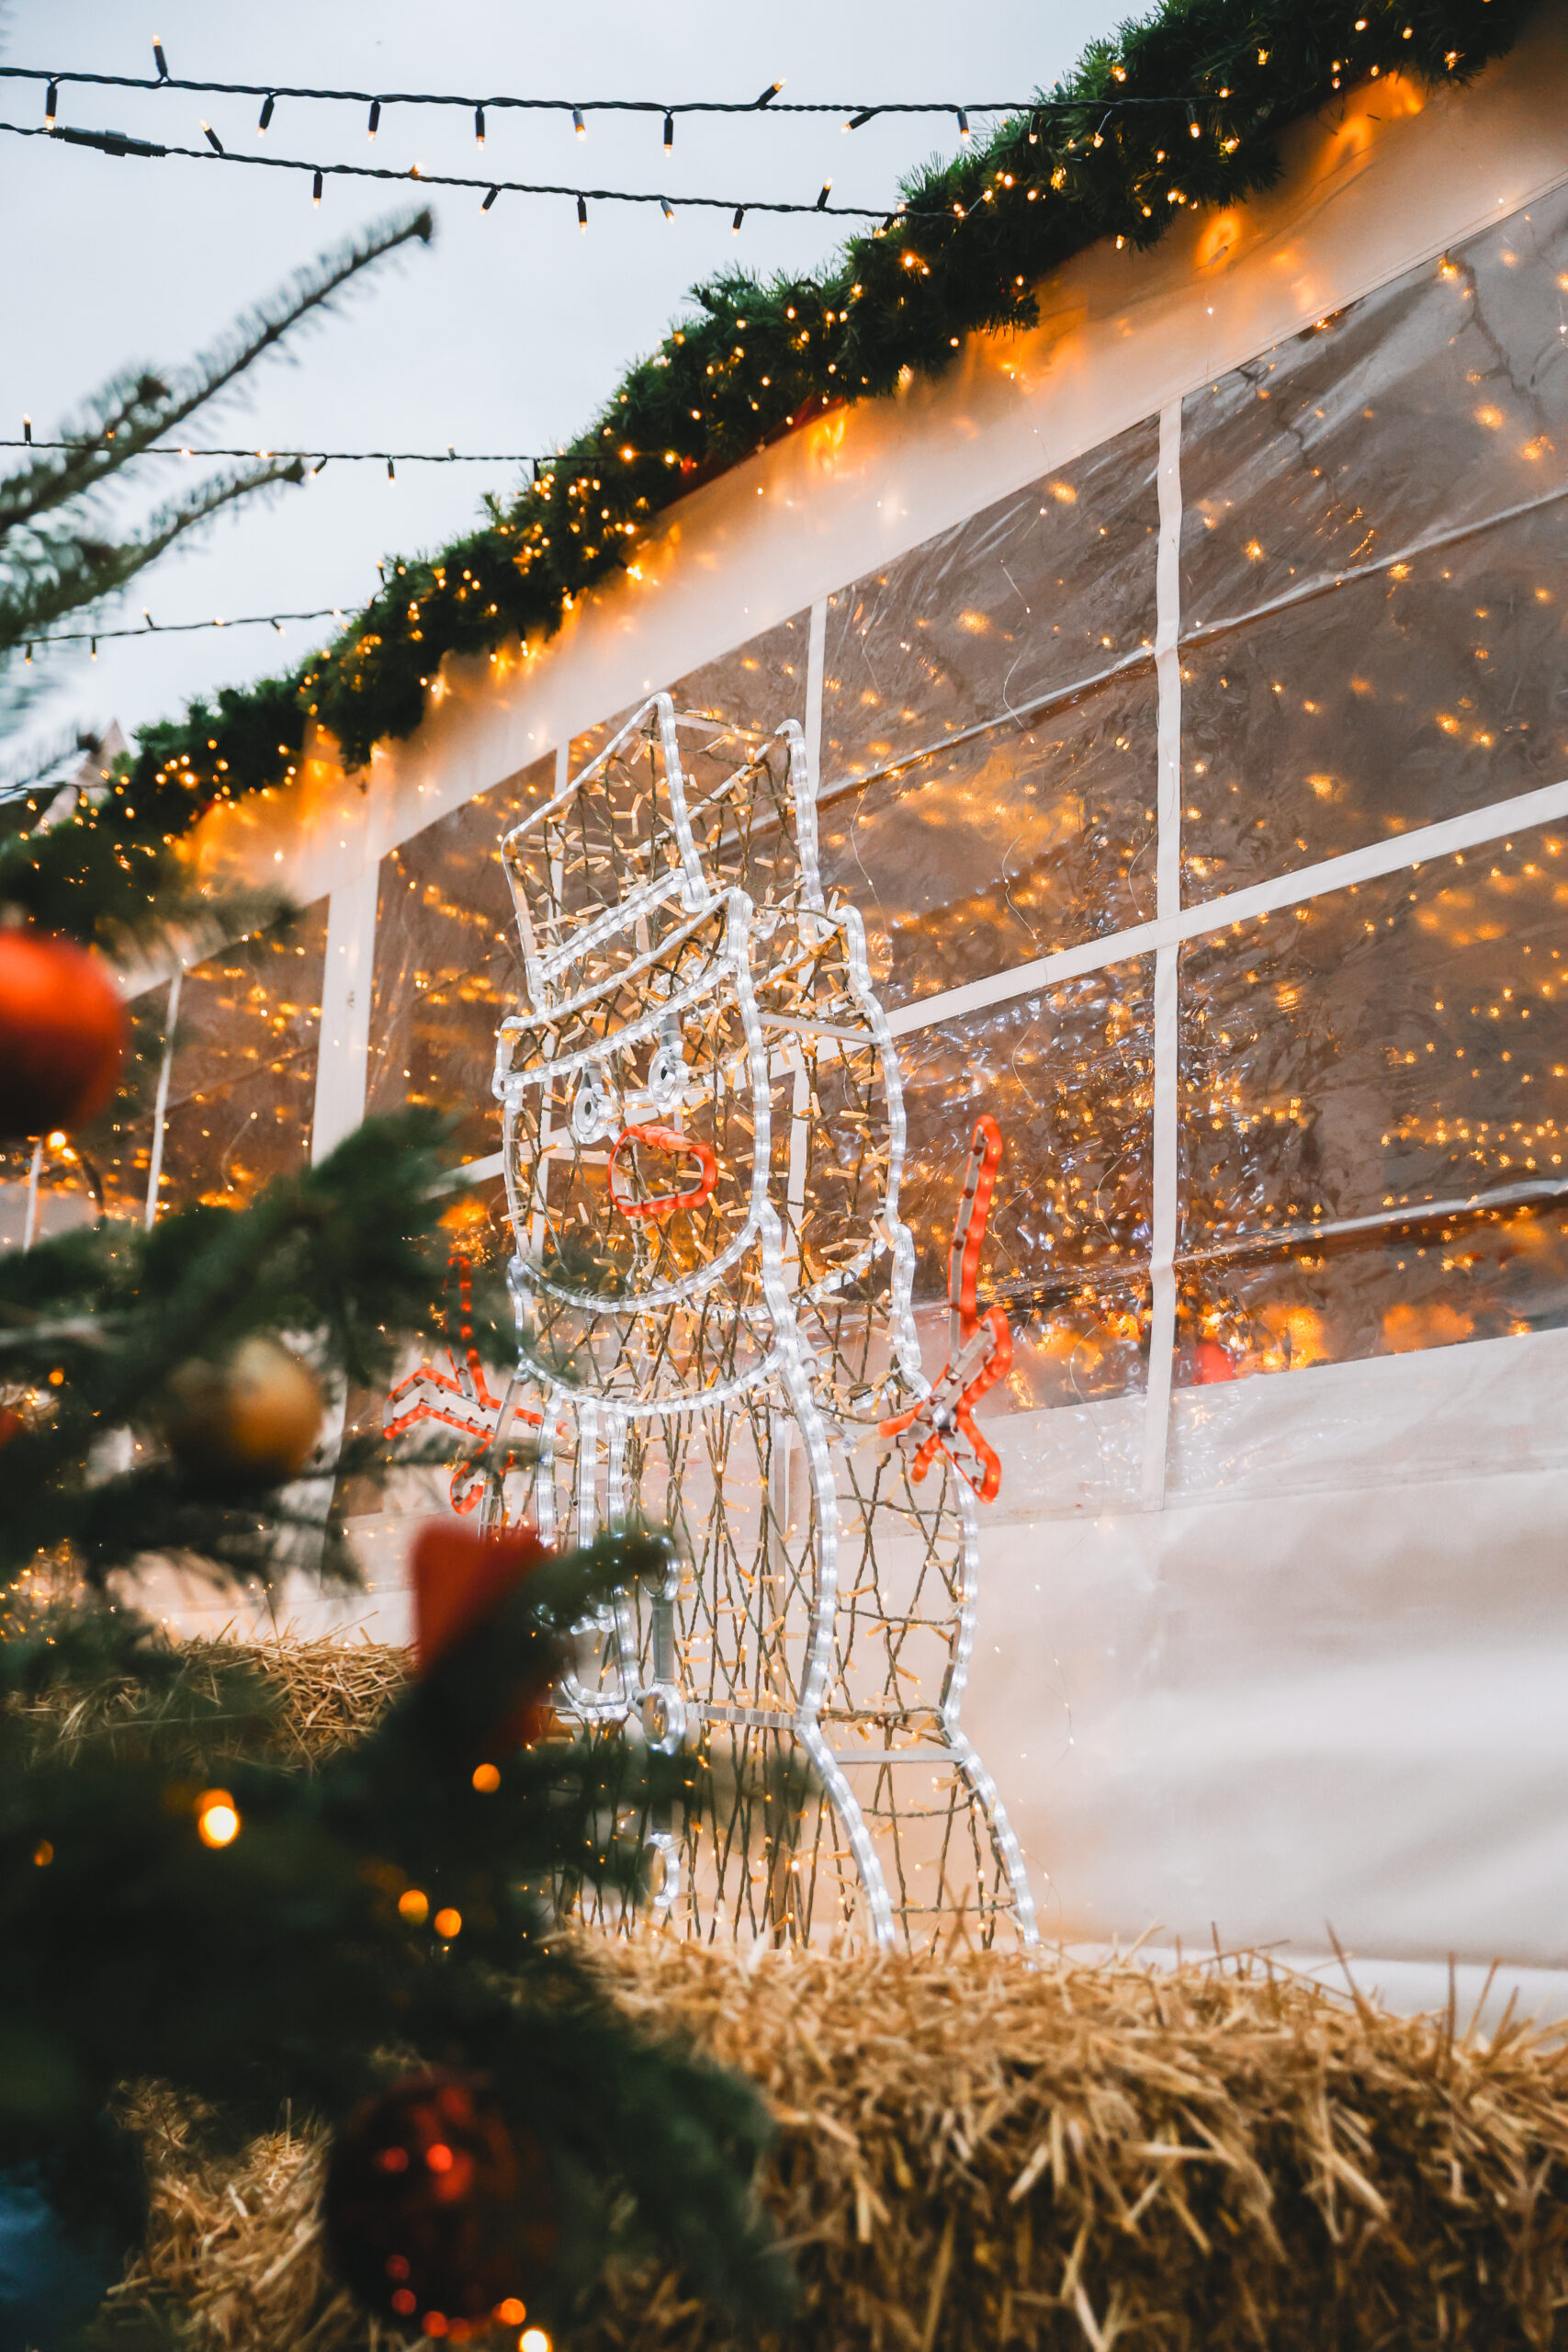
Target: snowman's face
<point>637,1156</point>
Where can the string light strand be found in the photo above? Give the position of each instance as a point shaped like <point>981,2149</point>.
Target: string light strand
<point>769,102</point>
<point>319,456</point>
<point>150,627</point>
<point>118,142</point>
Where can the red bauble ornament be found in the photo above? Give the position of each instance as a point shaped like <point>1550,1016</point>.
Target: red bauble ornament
<point>438,2213</point>
<point>459,1575</point>
<point>62,1035</point>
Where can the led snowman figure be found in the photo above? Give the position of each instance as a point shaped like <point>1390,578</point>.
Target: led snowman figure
<point>703,1139</point>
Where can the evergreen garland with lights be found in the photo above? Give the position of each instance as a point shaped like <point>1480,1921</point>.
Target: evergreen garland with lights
<point>757,359</point>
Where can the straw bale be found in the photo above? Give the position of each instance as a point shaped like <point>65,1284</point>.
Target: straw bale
<point>299,1700</point>
<point>974,2153</point>
<point>330,1690</point>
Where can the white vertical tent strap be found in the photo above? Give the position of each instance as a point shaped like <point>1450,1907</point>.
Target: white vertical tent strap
<point>1168,867</point>
<point>35,1170</point>
<point>815,658</point>
<point>161,1107</point>
<point>344,1045</point>
<point>539,1220</point>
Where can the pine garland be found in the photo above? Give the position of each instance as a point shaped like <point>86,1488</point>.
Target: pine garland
<point>755,359</point>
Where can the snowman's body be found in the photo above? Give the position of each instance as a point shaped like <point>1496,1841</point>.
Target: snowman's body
<point>704,1137</point>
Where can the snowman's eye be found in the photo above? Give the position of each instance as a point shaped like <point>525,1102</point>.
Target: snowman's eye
<point>591,1114</point>
<point>667,1067</point>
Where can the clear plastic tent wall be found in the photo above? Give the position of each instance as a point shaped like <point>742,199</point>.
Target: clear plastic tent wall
<point>1204,801</point>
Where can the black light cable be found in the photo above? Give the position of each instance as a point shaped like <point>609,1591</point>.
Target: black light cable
<point>150,627</point>
<point>856,110</point>
<point>316,456</point>
<point>119,143</point>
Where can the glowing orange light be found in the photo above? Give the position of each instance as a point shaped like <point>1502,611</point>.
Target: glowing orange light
<point>217,1817</point>
<point>511,2312</point>
<point>486,1778</point>
<point>43,1853</point>
<point>448,1923</point>
<point>414,1906</point>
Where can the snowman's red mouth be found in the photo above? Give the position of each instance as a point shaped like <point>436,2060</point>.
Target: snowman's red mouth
<point>668,1139</point>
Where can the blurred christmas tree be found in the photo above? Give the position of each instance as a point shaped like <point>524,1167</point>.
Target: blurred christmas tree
<point>369,1941</point>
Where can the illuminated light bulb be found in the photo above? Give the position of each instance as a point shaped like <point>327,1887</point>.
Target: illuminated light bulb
<point>414,1906</point>
<point>821,204</point>
<point>28,430</point>
<point>582,214</point>
<point>316,200</point>
<point>51,101</point>
<point>577,124</point>
<point>667,208</point>
<point>669,133</point>
<point>373,125</point>
<point>490,199</point>
<point>739,216</point>
<point>479,126</point>
<point>857,120</point>
<point>217,1818</point>
<point>963,124</point>
<point>487,1779</point>
<point>212,138</point>
<point>43,1854</point>
<point>448,1923</point>
<point>160,61</point>
<point>267,104</point>
<point>391,471</point>
<point>765,99</point>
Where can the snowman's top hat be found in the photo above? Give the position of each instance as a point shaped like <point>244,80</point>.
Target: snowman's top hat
<point>639,840</point>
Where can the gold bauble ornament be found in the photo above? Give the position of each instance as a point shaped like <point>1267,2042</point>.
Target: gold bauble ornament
<point>253,1418</point>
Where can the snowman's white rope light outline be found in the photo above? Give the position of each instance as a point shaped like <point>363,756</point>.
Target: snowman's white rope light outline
<point>665,1714</point>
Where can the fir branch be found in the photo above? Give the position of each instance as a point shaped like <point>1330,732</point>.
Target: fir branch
<point>136,410</point>
<point>95,1323</point>
<point>47,573</point>
<point>288,1965</point>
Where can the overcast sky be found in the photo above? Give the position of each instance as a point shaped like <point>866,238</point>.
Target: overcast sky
<point>502,338</point>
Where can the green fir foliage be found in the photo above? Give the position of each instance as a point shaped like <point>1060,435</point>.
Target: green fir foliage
<point>108,874</point>
<point>94,1323</point>
<point>282,1969</point>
